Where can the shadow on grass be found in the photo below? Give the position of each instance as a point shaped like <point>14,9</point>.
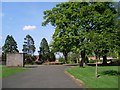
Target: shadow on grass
<point>93,64</point>
<point>111,73</point>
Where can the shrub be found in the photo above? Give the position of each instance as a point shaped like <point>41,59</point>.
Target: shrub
<point>92,61</point>
<point>61,59</point>
<point>29,59</point>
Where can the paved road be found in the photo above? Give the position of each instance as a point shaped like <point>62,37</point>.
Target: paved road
<point>41,77</point>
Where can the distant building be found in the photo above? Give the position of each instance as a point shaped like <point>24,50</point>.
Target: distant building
<point>92,58</point>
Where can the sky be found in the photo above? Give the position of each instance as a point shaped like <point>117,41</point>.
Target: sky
<point>22,18</point>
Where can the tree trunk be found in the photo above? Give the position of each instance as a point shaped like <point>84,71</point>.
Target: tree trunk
<point>65,56</point>
<point>104,59</point>
<point>96,56</point>
<point>119,55</point>
<point>99,56</point>
<point>82,58</point>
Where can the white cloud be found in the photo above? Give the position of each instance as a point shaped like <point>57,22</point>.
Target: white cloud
<point>29,27</point>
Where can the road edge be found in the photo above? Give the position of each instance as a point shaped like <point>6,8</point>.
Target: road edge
<point>77,81</point>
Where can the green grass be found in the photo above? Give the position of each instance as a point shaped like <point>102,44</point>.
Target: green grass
<point>8,71</point>
<point>108,76</point>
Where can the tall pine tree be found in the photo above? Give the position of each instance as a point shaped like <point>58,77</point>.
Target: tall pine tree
<point>10,45</point>
<point>28,46</point>
<point>44,49</point>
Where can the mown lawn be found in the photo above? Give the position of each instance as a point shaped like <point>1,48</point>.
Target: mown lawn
<point>7,71</point>
<point>108,76</point>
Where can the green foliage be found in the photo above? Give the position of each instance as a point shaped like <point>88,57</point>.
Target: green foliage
<point>118,37</point>
<point>10,45</point>
<point>92,61</point>
<point>34,58</point>
<point>44,49</point>
<point>61,59</point>
<point>29,56</point>
<point>73,57</point>
<point>58,18</point>
<point>52,56</point>
<point>83,26</point>
<point>28,46</point>
<point>98,26</point>
<point>28,59</point>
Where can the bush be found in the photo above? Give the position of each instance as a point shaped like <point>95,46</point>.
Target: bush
<point>61,59</point>
<point>52,57</point>
<point>73,58</point>
<point>92,61</point>
<point>33,58</point>
<point>29,59</point>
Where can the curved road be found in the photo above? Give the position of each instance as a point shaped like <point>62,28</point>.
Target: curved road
<point>49,76</point>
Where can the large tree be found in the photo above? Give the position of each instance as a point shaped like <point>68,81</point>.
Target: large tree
<point>98,28</point>
<point>58,18</point>
<point>81,23</point>
<point>10,45</point>
<point>98,19</point>
<point>62,44</point>
<point>28,46</point>
<point>44,49</point>
<point>117,22</point>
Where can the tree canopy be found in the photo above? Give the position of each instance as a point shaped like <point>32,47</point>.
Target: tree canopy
<point>83,27</point>
<point>28,46</point>
<point>44,49</point>
<point>10,45</point>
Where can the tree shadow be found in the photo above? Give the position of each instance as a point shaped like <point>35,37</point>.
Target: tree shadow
<point>111,73</point>
<point>93,64</point>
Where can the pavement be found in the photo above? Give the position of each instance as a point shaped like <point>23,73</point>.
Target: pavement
<point>44,76</point>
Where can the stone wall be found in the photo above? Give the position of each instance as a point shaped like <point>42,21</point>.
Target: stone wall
<point>15,60</point>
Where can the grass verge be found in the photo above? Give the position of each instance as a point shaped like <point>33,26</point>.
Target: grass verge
<point>8,71</point>
<point>108,76</point>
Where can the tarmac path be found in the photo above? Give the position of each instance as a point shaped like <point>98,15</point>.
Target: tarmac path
<point>44,76</point>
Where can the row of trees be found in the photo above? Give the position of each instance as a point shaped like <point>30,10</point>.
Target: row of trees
<point>84,28</point>
<point>10,46</point>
